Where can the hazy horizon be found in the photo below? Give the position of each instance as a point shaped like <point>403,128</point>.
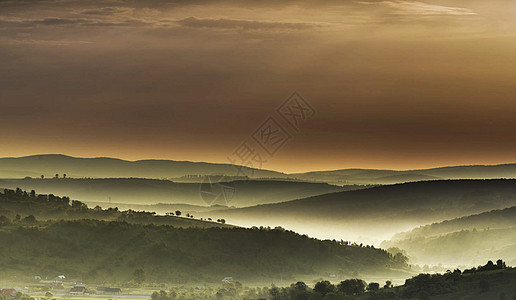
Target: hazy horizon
<point>265,167</point>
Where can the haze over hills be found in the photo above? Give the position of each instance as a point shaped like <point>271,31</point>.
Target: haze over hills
<point>374,214</point>
<point>152,191</point>
<point>467,240</point>
<point>49,165</point>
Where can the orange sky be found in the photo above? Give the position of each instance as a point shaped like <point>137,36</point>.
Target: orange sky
<point>396,84</point>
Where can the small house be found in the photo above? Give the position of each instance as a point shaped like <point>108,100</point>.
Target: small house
<point>78,289</point>
<point>8,292</point>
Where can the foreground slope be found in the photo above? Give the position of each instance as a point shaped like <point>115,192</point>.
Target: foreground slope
<point>487,282</point>
<point>378,213</point>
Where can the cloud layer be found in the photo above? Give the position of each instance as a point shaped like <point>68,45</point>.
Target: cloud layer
<point>396,83</point>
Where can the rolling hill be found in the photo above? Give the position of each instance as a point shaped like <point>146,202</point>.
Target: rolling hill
<point>152,191</point>
<point>185,171</point>
<point>375,214</point>
<point>468,240</point>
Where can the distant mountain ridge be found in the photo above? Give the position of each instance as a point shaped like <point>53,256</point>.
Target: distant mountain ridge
<point>374,176</point>
<point>104,167</point>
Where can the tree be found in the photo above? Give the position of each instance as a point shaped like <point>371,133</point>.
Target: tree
<point>324,287</point>
<point>64,176</point>
<point>42,176</point>
<point>500,264</point>
<point>33,194</point>
<point>300,286</point>
<point>274,291</point>
<point>388,284</point>
<point>57,176</point>
<point>48,295</point>
<point>139,276</point>
<point>30,219</point>
<point>178,213</point>
<point>352,286</point>
<point>373,286</point>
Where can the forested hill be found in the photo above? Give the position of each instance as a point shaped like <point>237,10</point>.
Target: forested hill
<point>19,205</point>
<point>34,240</point>
<point>95,250</point>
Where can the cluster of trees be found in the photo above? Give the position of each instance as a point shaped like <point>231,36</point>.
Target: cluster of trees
<point>228,290</point>
<point>455,284</point>
<point>325,290</point>
<point>490,266</point>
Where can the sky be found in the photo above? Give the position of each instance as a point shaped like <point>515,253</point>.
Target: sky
<point>391,84</point>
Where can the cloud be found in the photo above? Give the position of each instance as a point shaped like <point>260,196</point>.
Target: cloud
<point>47,42</point>
<point>58,21</point>
<point>105,11</point>
<point>420,8</point>
<point>27,23</point>
<point>242,24</point>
